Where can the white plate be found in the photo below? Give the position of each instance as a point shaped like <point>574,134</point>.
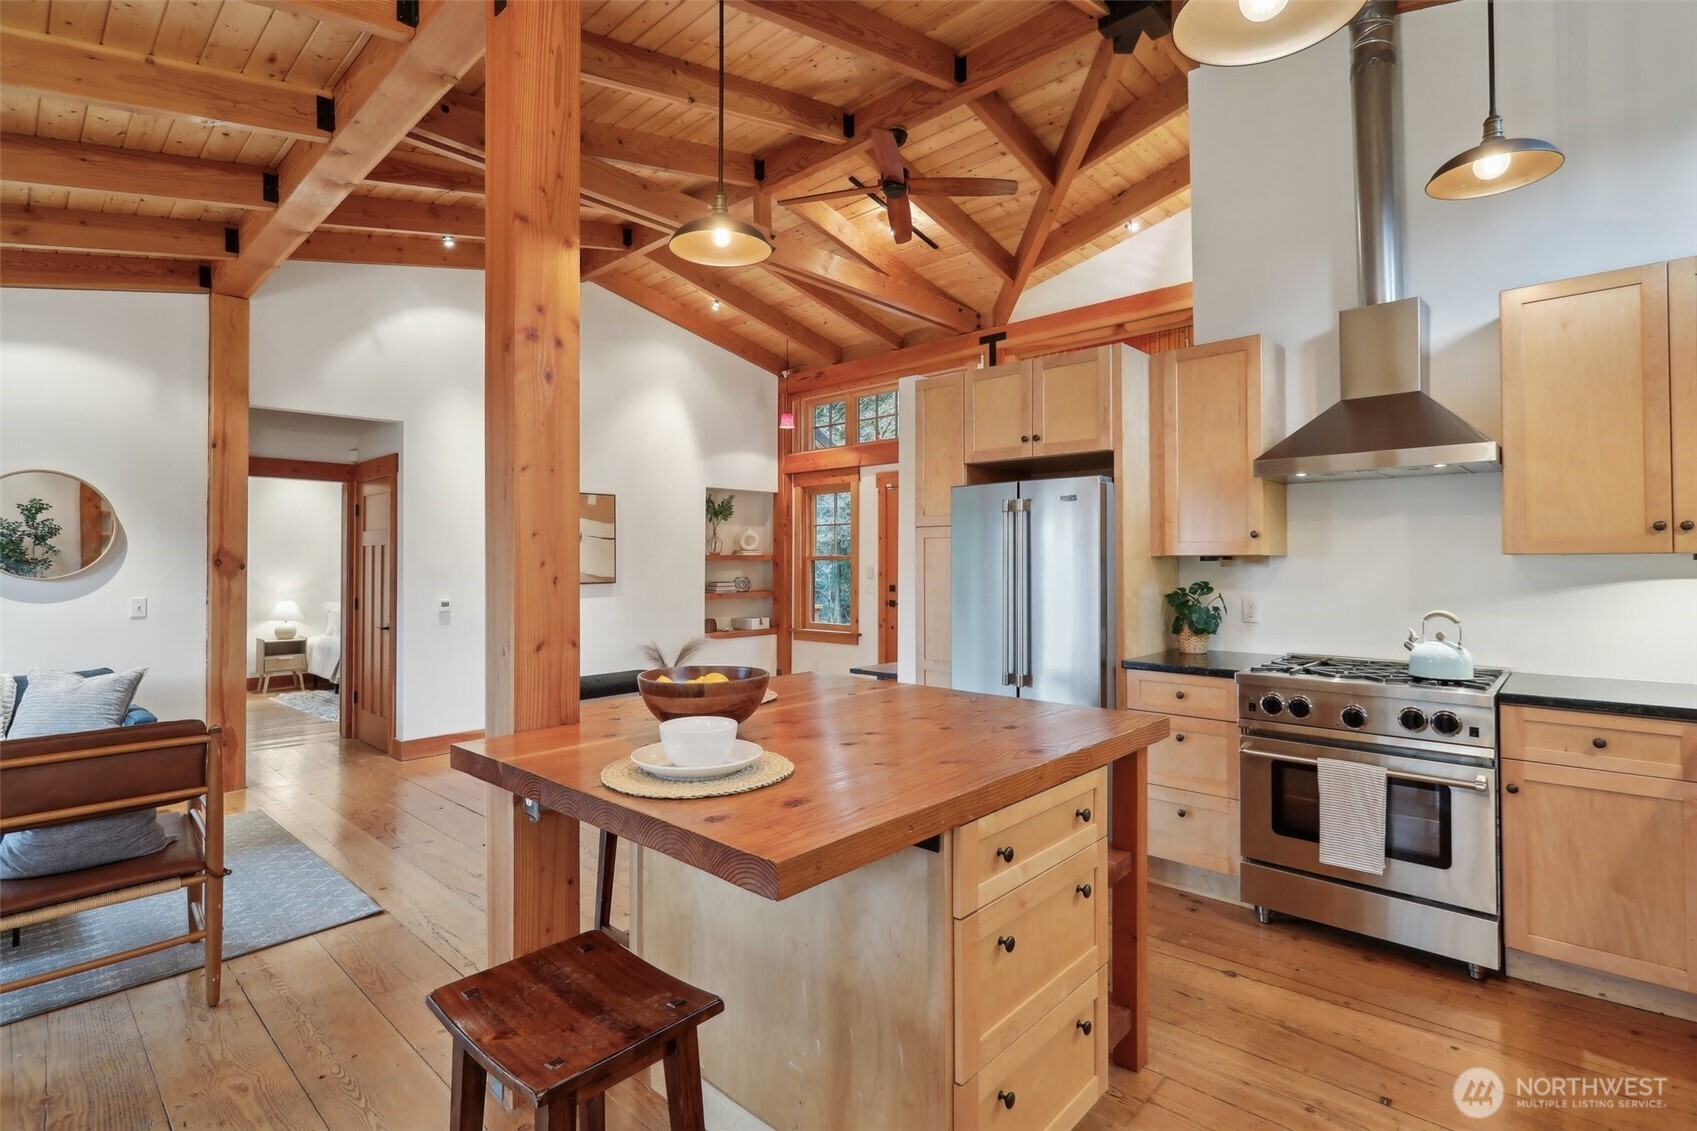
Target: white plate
<point>652,758</point>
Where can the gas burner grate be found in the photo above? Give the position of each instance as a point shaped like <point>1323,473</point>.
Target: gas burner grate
<point>1373,671</point>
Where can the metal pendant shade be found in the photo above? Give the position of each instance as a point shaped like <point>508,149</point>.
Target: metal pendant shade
<point>1237,33</point>
<point>718,239</point>
<point>1497,164</point>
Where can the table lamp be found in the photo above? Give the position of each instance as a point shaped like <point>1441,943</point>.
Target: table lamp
<point>285,612</point>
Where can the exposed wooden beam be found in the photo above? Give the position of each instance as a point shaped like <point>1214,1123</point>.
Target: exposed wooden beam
<point>715,282</point>
<point>855,280</point>
<point>1148,193</point>
<point>227,531</point>
<point>380,214</point>
<point>1052,30</point>
<point>874,249</point>
<point>373,17</point>
<point>61,229</point>
<point>638,197</point>
<point>696,323</point>
<point>54,271</point>
<point>1138,120</point>
<point>410,169</point>
<point>380,96</point>
<point>1079,328</point>
<point>833,459</point>
<point>607,62</point>
<point>1016,137</point>
<point>1087,112</point>
<point>455,122</point>
<point>57,66</point>
<point>389,247</point>
<point>864,32</point>
<point>48,163</point>
<point>845,308</point>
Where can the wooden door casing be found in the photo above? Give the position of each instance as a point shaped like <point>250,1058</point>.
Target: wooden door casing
<point>941,446</point>
<point>1682,399</point>
<point>889,535</point>
<point>998,413</point>
<point>372,651</point>
<point>1072,403</point>
<point>1587,458</point>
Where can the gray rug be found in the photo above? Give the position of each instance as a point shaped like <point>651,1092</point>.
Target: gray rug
<point>326,705</point>
<point>278,889</point>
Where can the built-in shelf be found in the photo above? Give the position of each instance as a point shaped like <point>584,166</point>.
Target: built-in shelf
<point>731,634</point>
<point>739,557</point>
<point>749,593</point>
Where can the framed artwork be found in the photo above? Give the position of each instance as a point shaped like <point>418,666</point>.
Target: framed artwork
<point>597,529</point>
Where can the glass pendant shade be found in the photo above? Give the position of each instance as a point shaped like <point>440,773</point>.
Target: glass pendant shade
<point>786,421</point>
<point>1237,33</point>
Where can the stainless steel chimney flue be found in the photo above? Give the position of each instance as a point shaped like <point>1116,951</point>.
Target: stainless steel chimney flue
<point>1372,87</point>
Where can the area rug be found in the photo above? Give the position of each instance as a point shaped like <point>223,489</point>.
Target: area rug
<point>278,889</point>
<point>326,705</point>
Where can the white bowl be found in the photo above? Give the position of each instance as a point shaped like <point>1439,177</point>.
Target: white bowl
<point>699,740</point>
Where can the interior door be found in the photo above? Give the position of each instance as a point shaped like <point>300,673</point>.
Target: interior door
<point>889,532</point>
<point>373,651</point>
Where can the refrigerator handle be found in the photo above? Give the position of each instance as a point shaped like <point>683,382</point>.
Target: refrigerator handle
<point>1007,610</point>
<point>1022,590</point>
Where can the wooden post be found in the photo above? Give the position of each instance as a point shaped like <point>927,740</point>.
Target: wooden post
<point>531,294</point>
<point>1130,973</point>
<point>226,532</point>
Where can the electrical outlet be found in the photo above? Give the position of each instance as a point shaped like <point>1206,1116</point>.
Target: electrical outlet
<point>1251,609</point>
<point>138,608</point>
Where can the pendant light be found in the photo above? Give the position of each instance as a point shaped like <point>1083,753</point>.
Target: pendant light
<point>718,239</point>
<point>1236,33</point>
<point>786,420</point>
<point>1496,164</point>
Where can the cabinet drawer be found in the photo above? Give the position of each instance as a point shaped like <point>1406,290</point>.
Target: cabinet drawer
<point>1200,756</point>
<point>997,853</point>
<point>1020,955</point>
<point>1053,1074</point>
<point>1193,828</point>
<point>1199,696</point>
<point>1659,748</point>
<point>290,663</point>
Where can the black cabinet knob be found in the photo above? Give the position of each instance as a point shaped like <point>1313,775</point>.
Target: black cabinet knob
<point>1082,814</point>
<point>1687,525</point>
<point>1178,738</point>
<point>1005,942</point>
<point>1600,743</point>
<point>1512,788</point>
<point>1006,853</point>
<point>1255,534</point>
<point>1085,1027</point>
<point>1084,890</point>
<point>1183,812</point>
<point>1006,1099</point>
<point>1035,437</point>
<point>1658,526</point>
<point>1023,440</point>
<point>1178,695</point>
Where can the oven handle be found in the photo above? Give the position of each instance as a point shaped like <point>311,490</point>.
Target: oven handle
<point>1480,782</point>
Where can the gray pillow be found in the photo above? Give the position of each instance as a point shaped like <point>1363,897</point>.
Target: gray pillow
<point>80,844</point>
<point>65,702</point>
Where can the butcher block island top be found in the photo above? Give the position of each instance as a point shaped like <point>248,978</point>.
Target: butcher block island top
<point>878,767</point>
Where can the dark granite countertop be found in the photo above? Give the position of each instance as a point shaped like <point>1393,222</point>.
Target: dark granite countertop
<point>1223,665</point>
<point>1615,696</point>
<point>876,671</point>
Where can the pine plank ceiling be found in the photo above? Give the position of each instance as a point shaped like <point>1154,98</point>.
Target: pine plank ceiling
<point>1092,140</point>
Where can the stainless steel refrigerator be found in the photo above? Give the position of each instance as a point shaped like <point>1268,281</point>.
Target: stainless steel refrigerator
<point>1032,606</point>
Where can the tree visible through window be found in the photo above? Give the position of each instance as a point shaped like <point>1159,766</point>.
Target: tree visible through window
<point>828,556</point>
<point>862,418</point>
<point>875,417</point>
<point>830,424</point>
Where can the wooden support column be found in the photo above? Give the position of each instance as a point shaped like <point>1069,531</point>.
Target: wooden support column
<point>531,293</point>
<point>226,532</point>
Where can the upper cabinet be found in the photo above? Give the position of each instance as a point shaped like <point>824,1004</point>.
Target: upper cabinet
<point>941,447</point>
<point>1212,409</point>
<point>1050,406</point>
<point>1599,387</point>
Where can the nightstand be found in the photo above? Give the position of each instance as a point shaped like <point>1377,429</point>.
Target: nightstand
<point>281,657</point>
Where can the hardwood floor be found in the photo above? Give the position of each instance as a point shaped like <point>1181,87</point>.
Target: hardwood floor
<point>1287,1025</point>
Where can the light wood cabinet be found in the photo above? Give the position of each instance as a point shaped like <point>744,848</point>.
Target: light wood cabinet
<point>940,451</point>
<point>935,585</point>
<point>1599,395</point>
<point>1050,406</point>
<point>995,854</point>
<point>1193,772</point>
<point>1055,1072</point>
<point>1212,409</point>
<point>1600,870</point>
<point>1589,740</point>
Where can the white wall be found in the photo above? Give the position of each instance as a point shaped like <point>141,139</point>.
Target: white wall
<point>111,388</point>
<point>818,656</point>
<point>1158,256</point>
<point>1613,85</point>
<point>314,436</point>
<point>294,553</point>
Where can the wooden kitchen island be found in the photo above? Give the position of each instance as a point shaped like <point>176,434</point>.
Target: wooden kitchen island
<point>909,932</point>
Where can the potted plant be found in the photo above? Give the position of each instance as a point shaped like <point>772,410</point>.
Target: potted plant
<point>718,511</point>
<point>1197,613</point>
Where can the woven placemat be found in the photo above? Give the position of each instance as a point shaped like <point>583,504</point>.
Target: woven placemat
<point>624,776</point>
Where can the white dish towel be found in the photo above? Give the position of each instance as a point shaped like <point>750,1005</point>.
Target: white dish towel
<point>1352,815</point>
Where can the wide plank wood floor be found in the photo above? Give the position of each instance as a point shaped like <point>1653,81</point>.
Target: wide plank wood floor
<point>1251,1026</point>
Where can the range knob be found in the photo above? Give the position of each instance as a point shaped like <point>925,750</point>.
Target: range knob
<point>1353,717</point>
<point>1412,718</point>
<point>1272,704</point>
<point>1446,723</point>
<point>1300,707</point>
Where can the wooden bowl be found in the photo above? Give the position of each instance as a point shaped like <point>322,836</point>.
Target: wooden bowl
<point>736,698</point>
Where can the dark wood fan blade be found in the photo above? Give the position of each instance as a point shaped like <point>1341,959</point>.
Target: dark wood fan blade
<point>834,194</point>
<point>962,186</point>
<point>887,156</point>
<point>901,219</point>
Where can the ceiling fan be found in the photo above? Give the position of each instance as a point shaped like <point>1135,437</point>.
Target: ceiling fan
<point>897,186</point>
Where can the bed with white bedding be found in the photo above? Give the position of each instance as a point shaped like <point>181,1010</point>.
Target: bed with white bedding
<point>324,650</point>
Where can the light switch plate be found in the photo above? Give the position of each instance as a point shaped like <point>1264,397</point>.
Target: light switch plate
<point>138,608</point>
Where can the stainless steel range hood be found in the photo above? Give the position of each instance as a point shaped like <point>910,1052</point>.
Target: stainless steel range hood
<point>1387,423</point>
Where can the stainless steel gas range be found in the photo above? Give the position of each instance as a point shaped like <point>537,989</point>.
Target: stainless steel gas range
<point>1437,742</point>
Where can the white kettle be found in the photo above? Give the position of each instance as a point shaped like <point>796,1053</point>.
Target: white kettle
<point>1439,657</point>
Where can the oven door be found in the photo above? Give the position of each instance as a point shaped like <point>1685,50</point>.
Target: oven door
<point>1441,820</point>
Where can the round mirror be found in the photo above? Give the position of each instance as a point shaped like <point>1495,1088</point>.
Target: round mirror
<point>52,525</point>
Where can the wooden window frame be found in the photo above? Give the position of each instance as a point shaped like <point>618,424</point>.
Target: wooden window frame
<point>805,486</point>
<point>851,417</point>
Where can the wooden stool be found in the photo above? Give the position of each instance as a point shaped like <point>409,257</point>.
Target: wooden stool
<point>565,1023</point>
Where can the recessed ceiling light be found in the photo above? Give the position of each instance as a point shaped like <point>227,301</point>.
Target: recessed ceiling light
<point>715,304</point>
<point>447,241</point>
<point>1302,475</point>
<point>1134,225</point>
<point>1436,466</point>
